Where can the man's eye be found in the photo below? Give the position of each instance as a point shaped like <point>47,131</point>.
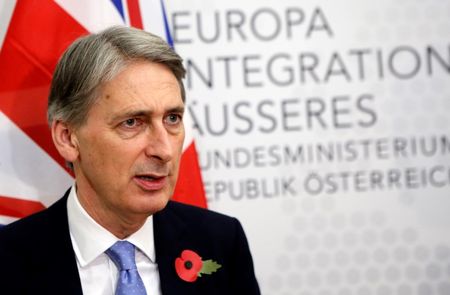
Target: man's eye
<point>129,123</point>
<point>173,119</point>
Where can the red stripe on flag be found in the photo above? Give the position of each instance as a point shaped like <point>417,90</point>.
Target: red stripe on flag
<point>38,33</point>
<point>134,13</point>
<point>18,208</point>
<point>189,188</point>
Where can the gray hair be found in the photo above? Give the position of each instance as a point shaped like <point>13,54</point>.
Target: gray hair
<point>97,58</point>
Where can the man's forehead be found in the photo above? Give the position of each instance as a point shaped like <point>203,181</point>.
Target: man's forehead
<point>141,87</point>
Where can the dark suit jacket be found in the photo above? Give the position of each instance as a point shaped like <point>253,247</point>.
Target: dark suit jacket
<point>36,254</point>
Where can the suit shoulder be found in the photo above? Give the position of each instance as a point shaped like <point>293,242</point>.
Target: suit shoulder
<point>24,228</point>
<point>197,214</point>
<point>32,226</point>
<point>202,225</point>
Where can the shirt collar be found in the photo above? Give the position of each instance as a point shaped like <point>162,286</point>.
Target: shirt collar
<point>90,239</point>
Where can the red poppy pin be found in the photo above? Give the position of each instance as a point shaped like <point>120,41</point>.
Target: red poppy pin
<point>189,266</point>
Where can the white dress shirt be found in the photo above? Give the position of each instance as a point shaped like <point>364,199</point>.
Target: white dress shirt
<point>98,273</point>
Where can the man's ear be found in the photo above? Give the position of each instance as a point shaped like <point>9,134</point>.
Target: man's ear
<point>65,140</point>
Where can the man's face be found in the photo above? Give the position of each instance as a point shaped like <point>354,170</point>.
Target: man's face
<point>129,148</point>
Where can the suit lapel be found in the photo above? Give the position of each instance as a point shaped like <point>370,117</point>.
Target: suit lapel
<point>57,259</point>
<point>170,231</point>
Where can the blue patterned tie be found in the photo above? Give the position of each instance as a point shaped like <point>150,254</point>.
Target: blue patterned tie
<point>129,282</point>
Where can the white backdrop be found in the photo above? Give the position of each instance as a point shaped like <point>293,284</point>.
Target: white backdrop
<point>323,126</point>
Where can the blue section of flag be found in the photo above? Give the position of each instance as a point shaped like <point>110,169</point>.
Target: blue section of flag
<point>119,6</point>
<point>166,25</point>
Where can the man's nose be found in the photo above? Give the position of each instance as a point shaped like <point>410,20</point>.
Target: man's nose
<point>159,144</point>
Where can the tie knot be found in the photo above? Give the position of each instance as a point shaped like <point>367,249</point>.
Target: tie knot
<point>122,254</point>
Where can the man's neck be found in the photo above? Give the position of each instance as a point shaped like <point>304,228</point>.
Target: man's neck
<point>121,226</point>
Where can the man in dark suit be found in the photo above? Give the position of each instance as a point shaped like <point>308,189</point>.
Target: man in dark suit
<point>115,108</point>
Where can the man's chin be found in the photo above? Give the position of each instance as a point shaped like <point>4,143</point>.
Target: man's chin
<point>152,205</point>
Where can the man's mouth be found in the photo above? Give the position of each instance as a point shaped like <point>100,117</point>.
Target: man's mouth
<point>145,177</point>
<point>150,182</point>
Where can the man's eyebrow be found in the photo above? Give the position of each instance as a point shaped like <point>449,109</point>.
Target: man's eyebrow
<point>143,113</point>
<point>131,113</point>
<point>178,109</point>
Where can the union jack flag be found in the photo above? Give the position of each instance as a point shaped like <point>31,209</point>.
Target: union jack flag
<point>33,34</point>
